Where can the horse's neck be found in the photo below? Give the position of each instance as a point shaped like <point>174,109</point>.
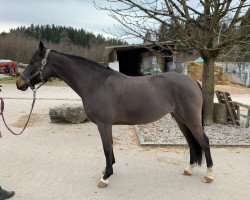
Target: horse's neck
<point>78,74</point>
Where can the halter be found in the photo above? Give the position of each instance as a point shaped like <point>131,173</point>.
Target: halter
<point>39,72</point>
<point>28,79</point>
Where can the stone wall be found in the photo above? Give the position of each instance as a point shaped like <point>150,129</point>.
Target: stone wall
<point>236,72</point>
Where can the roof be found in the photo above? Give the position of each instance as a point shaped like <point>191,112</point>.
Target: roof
<point>4,61</point>
<point>109,49</point>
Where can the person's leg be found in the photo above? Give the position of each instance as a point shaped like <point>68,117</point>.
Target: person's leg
<point>6,194</point>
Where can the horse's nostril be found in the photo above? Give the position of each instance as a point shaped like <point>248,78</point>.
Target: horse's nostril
<point>21,84</point>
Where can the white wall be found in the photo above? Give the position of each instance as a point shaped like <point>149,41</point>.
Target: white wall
<point>236,72</point>
<point>114,66</point>
<point>180,67</point>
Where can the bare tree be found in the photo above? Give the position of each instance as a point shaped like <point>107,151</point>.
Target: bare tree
<point>208,26</point>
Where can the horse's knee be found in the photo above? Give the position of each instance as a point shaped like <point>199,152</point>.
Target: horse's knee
<point>206,139</point>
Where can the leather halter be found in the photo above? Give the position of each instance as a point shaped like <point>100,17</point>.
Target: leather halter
<point>28,79</point>
<point>39,72</point>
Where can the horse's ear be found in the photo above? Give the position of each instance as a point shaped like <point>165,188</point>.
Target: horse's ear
<point>41,47</point>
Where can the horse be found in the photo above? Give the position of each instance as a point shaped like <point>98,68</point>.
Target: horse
<point>110,97</point>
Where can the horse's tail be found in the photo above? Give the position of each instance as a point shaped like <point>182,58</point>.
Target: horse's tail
<point>202,120</point>
<point>195,144</point>
<point>197,149</point>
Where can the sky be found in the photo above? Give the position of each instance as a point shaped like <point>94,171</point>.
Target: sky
<point>75,13</point>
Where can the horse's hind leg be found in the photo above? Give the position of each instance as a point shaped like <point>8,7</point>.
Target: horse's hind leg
<point>197,141</point>
<point>106,135</point>
<point>194,147</point>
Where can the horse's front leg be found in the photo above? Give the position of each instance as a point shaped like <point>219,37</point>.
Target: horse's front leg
<point>106,135</point>
<point>113,157</point>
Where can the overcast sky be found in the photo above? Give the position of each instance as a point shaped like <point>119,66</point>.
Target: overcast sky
<point>75,13</point>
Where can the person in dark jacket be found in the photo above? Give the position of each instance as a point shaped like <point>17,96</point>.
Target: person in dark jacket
<point>3,193</point>
<point>6,194</point>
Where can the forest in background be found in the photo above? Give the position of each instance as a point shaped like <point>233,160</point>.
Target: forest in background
<point>20,43</point>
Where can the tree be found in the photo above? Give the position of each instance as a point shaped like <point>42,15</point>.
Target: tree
<point>196,25</point>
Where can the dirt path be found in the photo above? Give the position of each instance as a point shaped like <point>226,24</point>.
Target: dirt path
<point>62,162</point>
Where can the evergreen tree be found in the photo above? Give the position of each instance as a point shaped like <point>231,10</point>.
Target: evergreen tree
<point>57,34</point>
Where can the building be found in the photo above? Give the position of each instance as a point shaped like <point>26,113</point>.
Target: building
<point>140,59</point>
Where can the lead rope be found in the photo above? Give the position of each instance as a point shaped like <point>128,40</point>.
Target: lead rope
<point>26,124</point>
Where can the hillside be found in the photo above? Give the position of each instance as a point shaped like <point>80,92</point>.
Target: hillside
<point>20,43</point>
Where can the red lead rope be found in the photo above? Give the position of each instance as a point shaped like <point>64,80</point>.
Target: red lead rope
<point>1,113</point>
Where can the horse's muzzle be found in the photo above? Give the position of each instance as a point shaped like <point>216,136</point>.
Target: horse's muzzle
<point>21,84</point>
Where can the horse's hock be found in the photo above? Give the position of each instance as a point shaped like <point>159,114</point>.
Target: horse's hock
<point>68,113</point>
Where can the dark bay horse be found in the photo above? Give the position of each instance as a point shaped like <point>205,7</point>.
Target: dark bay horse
<point>110,97</point>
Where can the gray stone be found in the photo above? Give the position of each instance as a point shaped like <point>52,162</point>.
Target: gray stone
<point>220,113</point>
<point>68,113</point>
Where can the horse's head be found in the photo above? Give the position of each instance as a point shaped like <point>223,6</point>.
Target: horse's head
<point>37,71</point>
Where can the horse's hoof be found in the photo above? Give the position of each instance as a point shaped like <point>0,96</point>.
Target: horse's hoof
<point>103,183</point>
<point>207,179</point>
<point>186,173</point>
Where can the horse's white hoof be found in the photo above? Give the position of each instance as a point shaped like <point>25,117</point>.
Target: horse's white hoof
<point>207,179</point>
<point>103,183</point>
<point>186,173</point>
<point>188,170</point>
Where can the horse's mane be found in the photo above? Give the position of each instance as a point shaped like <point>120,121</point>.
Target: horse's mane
<point>71,56</point>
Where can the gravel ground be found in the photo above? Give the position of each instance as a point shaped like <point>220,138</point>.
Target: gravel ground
<point>166,130</point>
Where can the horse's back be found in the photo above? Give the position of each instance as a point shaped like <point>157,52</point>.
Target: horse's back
<point>166,83</point>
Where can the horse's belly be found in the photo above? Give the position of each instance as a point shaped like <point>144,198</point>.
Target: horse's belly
<point>143,114</point>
